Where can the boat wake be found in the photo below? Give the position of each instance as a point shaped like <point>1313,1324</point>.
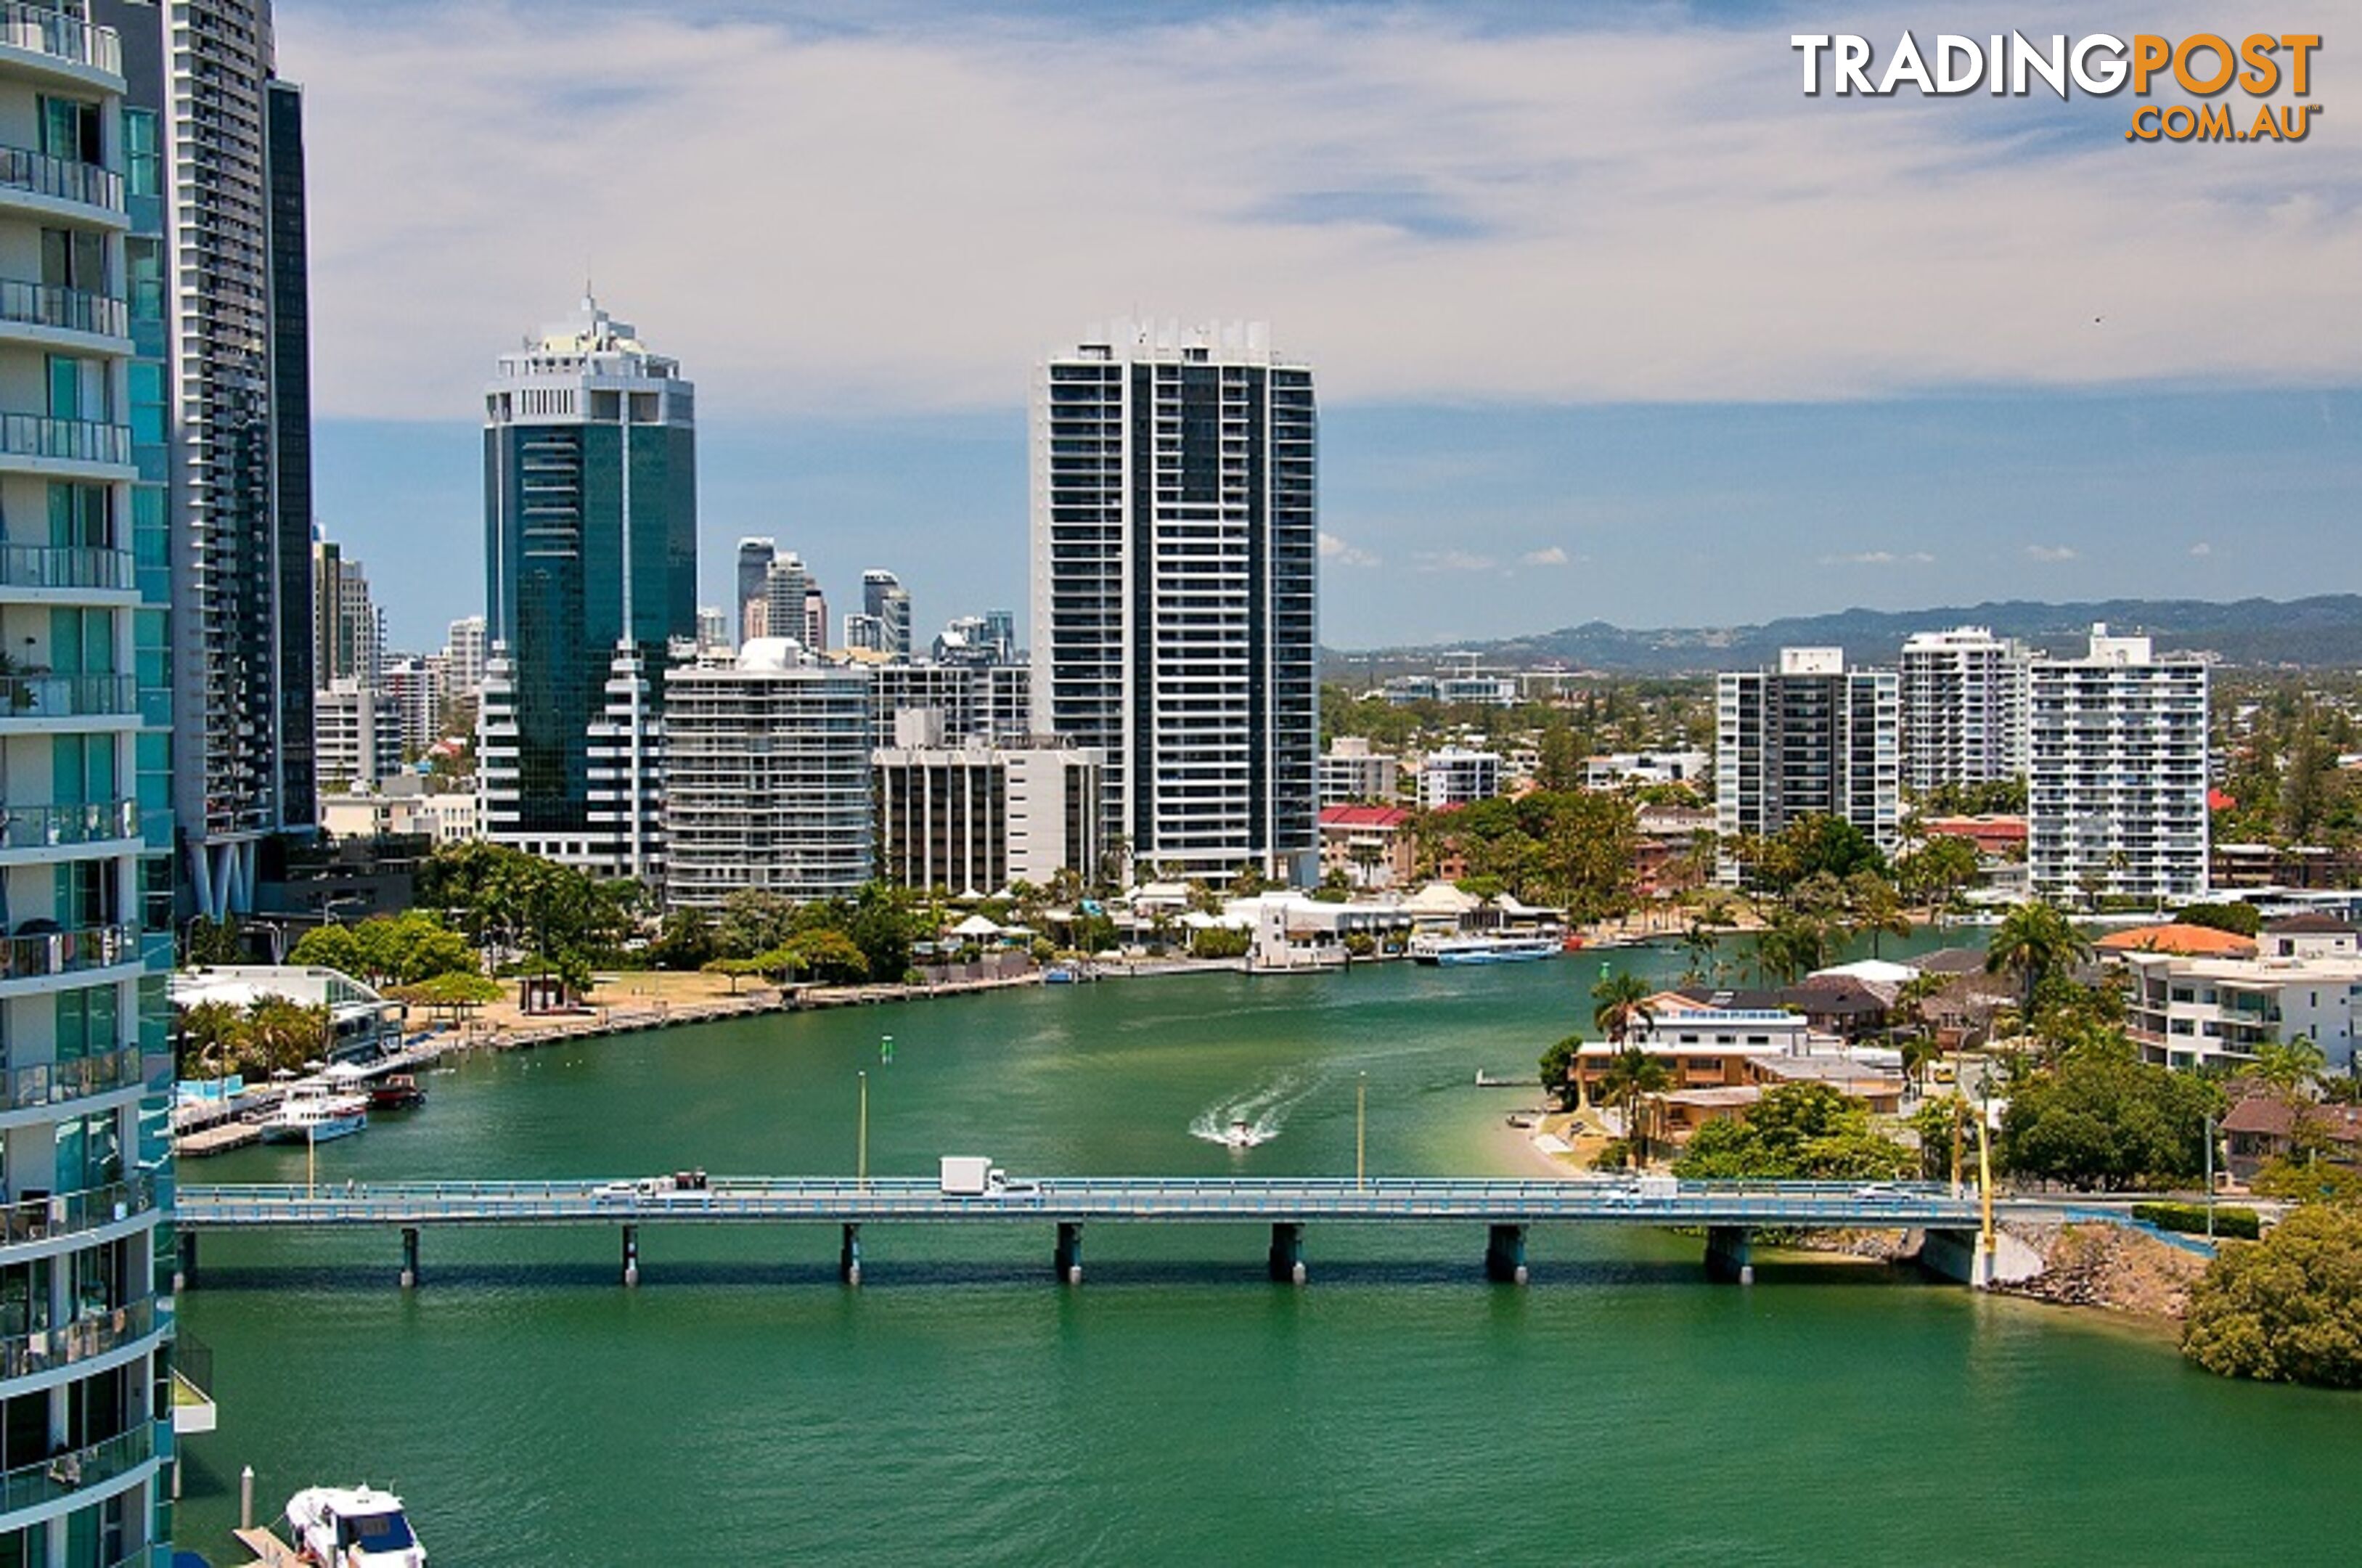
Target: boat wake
<point>1252,1119</point>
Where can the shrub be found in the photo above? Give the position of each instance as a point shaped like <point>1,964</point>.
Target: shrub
<point>2190,1218</point>
<point>2287,1309</point>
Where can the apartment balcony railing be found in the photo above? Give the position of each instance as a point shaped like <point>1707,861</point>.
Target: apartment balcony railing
<point>44,29</point>
<point>31,956</point>
<point>67,179</point>
<point>54,1083</point>
<point>70,1213</point>
<point>66,566</point>
<point>54,827</point>
<point>69,310</point>
<point>21,1355</point>
<point>66,696</point>
<point>63,1475</point>
<point>64,440</point>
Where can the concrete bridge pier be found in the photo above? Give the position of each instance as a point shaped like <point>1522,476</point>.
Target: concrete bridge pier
<point>1067,1259</point>
<point>630,1254</point>
<point>1961,1255</point>
<point>1504,1254</point>
<point>1727,1254</point>
<point>1287,1254</point>
<point>848,1256</point>
<point>184,1267</point>
<point>409,1256</point>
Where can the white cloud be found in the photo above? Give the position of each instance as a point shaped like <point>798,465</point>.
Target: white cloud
<point>1453,560</point>
<point>2050,552</point>
<point>857,217</point>
<point>1881,557</point>
<point>1548,556</point>
<point>1333,548</point>
<point>2201,549</point>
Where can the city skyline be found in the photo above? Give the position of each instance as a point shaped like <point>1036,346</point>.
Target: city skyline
<point>1978,355</point>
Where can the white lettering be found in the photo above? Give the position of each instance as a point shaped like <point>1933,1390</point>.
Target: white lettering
<point>1853,53</point>
<point>1906,66</point>
<point>1950,47</point>
<point>2000,82</point>
<point>2051,68</point>
<point>2112,69</point>
<point>1812,44</point>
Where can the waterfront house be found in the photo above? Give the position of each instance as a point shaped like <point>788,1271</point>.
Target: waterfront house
<point>2265,1126</point>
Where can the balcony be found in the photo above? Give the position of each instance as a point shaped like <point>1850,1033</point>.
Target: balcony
<point>38,955</point>
<point>64,440</point>
<point>59,1477</point>
<point>36,828</point>
<point>44,29</point>
<point>56,1083</point>
<point>67,567</point>
<point>60,179</point>
<point>62,309</point>
<point>70,1213</point>
<point>22,1355</point>
<point>67,697</point>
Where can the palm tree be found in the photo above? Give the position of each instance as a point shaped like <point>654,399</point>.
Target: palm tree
<point>1632,1080</point>
<point>1873,906</point>
<point>2289,1066</point>
<point>2034,941</point>
<point>1620,1002</point>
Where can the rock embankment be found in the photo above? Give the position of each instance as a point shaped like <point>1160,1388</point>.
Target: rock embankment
<point>2110,1267</point>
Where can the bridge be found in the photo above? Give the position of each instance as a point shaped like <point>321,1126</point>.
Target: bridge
<point>1728,1213</point>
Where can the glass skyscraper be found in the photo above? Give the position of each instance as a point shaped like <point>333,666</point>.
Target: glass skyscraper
<point>590,552</point>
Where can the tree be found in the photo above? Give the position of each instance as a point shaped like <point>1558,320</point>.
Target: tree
<point>1621,1004</point>
<point>686,940</point>
<point>1791,945</point>
<point>2287,1309</point>
<point>211,1034</point>
<point>2290,1066</point>
<point>2101,1117</point>
<point>2033,941</point>
<point>1558,1067</point>
<point>455,991</point>
<point>1935,871</point>
<point>883,926</point>
<point>1873,908</point>
<point>1631,1081</point>
<point>329,947</point>
<point>283,1035</point>
<point>753,920</point>
<point>215,941</point>
<point>1801,1131</point>
<point>831,957</point>
<point>2239,920</point>
<point>1218,941</point>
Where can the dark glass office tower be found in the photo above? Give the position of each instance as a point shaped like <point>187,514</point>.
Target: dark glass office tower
<point>590,546</point>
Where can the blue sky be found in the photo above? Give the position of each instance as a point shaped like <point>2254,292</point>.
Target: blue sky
<point>1611,321</point>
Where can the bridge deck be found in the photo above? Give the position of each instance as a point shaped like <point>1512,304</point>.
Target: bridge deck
<point>776,1200</point>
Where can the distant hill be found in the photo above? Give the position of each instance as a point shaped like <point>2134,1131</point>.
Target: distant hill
<point>2324,632</point>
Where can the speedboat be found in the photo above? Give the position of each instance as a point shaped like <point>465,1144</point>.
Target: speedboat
<point>312,1114</point>
<point>396,1091</point>
<point>353,1528</point>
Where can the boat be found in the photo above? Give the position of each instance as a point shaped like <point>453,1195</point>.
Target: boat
<point>396,1091</point>
<point>1483,949</point>
<point>1239,1135</point>
<point>312,1114</point>
<point>352,1527</point>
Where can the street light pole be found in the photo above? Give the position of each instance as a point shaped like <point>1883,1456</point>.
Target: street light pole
<point>2210,1178</point>
<point>1361,1126</point>
<point>861,1140</point>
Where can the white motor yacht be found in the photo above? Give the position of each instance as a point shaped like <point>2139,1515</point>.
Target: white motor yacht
<point>313,1114</point>
<point>353,1528</point>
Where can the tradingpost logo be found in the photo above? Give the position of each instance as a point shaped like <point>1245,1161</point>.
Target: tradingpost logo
<point>2203,65</point>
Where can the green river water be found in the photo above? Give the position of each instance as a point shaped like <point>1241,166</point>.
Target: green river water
<point>740,1407</point>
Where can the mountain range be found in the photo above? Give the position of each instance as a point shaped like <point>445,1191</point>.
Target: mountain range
<point>2321,632</point>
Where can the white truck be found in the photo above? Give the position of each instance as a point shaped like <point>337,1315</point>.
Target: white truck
<point>1658,1187</point>
<point>972,1176</point>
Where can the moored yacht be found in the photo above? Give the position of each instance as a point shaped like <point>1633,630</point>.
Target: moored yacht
<point>1483,949</point>
<point>353,1528</point>
<point>313,1114</point>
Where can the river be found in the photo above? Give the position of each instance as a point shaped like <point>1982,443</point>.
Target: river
<point>742,1408</point>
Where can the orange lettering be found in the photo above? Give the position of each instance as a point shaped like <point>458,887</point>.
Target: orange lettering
<point>2299,47</point>
<point>2256,49</point>
<point>2190,79</point>
<point>2149,54</point>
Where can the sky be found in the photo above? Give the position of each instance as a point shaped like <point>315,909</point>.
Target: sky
<point>1610,320</point>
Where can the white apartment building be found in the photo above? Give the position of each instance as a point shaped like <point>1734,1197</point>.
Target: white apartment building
<point>402,808</point>
<point>1457,776</point>
<point>1351,773</point>
<point>1176,568</point>
<point>767,777</point>
<point>2195,1012</point>
<point>465,649</point>
<point>1809,738</point>
<point>885,601</point>
<point>356,736</point>
<point>2117,787</point>
<point>1620,769</point>
<point>415,690</point>
<point>1966,695</point>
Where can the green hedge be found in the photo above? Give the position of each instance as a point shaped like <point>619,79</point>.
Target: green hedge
<point>2190,1218</point>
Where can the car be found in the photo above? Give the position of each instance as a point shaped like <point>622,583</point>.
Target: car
<point>1878,1189</point>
